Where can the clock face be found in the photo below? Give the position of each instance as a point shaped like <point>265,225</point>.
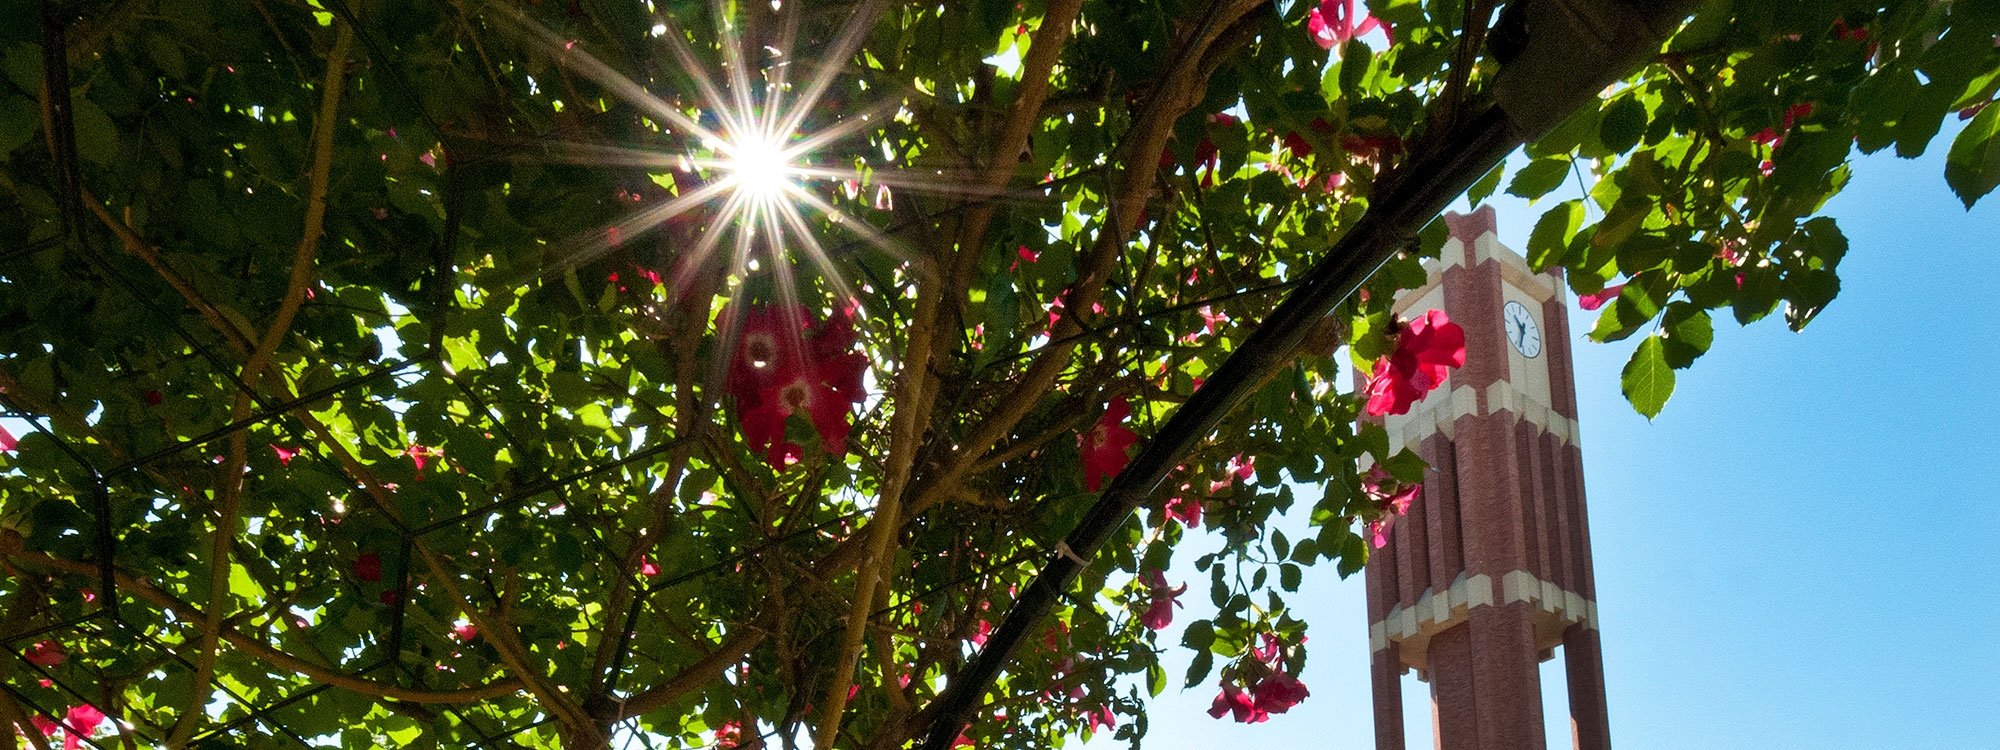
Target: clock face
<point>1521,329</point>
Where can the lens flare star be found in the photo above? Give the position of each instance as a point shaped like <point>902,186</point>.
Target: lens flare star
<point>743,141</point>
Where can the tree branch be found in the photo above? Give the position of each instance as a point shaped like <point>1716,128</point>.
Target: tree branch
<point>186,612</point>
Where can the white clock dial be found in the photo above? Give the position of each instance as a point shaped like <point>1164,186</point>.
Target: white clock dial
<point>1521,329</point>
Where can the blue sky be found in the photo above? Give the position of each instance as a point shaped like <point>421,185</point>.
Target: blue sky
<point>1798,553</point>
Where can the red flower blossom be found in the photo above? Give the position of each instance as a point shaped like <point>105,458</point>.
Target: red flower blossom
<point>1239,468</point>
<point>648,567</point>
<point>1594,301</point>
<point>728,735</point>
<point>1297,144</point>
<point>45,653</point>
<point>1185,509</point>
<point>1372,148</point>
<point>1335,22</point>
<point>985,629</point>
<point>1269,648</point>
<point>1102,718</point>
<point>1425,352</point>
<point>421,455</point>
<point>46,725</point>
<point>1840,31</point>
<point>7,440</point>
<point>1278,693</point>
<point>368,567</point>
<point>285,455</point>
<point>1211,319</point>
<point>81,722</point>
<point>784,366</point>
<point>1161,613</point>
<point>1232,700</point>
<point>1104,447</point>
<point>1774,136</point>
<point>1392,498</point>
<point>465,631</point>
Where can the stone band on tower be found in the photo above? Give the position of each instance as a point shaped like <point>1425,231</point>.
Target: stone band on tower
<point>1490,569</point>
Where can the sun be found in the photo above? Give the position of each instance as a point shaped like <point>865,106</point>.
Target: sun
<point>758,166</point>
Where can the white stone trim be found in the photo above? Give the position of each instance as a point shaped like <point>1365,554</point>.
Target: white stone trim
<point>1437,610</point>
<point>1440,415</point>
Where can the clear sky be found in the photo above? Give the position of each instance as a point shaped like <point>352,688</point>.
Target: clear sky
<point>1798,553</point>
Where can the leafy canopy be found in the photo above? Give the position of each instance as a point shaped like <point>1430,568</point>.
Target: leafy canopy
<point>397,367</point>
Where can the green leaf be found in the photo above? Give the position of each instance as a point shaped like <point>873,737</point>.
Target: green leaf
<point>1552,234</point>
<point>1620,319</point>
<point>1538,178</point>
<point>1406,466</point>
<point>1807,292</point>
<point>1289,576</point>
<point>1648,381</point>
<point>1624,122</point>
<point>1204,662</point>
<point>1199,635</point>
<point>1305,551</point>
<point>1972,169</point>
<point>1353,555</point>
<point>1486,185</point>
<point>96,135</point>
<point>1686,332</point>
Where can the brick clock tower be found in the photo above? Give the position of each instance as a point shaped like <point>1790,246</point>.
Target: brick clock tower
<point>1490,570</point>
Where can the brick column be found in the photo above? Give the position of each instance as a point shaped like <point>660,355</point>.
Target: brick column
<point>1454,693</point>
<point>1385,667</point>
<point>1583,659</point>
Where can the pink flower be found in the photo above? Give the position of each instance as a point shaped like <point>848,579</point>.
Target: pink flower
<point>1336,22</point>
<point>1594,301</point>
<point>81,721</point>
<point>985,629</point>
<point>285,455</point>
<point>421,455</point>
<point>368,567</point>
<point>1391,498</point>
<point>1211,320</point>
<point>1030,256</point>
<point>1772,137</point>
<point>465,631</point>
<point>648,567</point>
<point>1232,700</point>
<point>45,653</point>
<point>1104,447</point>
<point>786,364</point>
<point>1279,692</point>
<point>1102,718</point>
<point>46,725</point>
<point>1239,468</point>
<point>729,735</point>
<point>1372,148</point>
<point>1161,613</point>
<point>1269,648</point>
<point>1185,509</point>
<point>1425,352</point>
<point>1297,144</point>
<point>7,440</point>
